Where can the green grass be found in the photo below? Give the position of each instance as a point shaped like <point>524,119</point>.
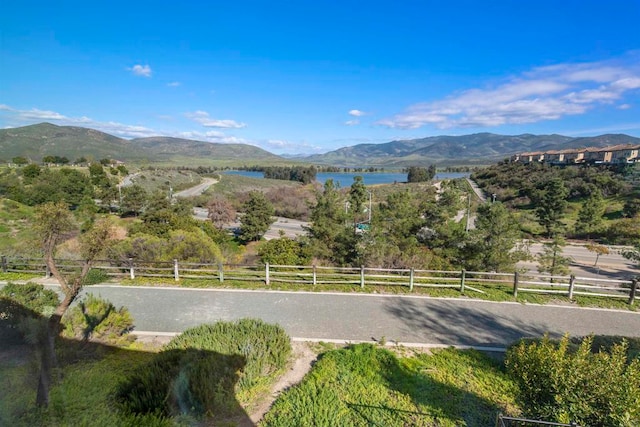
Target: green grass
<point>16,233</point>
<point>365,385</point>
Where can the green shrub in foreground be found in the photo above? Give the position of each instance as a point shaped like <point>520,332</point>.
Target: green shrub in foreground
<point>265,347</point>
<point>200,371</point>
<point>23,312</point>
<point>592,389</point>
<point>98,319</point>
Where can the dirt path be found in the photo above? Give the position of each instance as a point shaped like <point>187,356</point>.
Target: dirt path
<point>303,359</point>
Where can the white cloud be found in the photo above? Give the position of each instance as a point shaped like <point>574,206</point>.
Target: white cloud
<point>352,122</point>
<point>545,93</point>
<point>357,113</point>
<point>24,117</point>
<point>624,106</point>
<point>205,120</point>
<point>174,84</point>
<point>141,70</point>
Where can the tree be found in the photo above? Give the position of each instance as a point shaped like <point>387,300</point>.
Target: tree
<point>633,254</point>
<point>598,249</point>
<point>590,214</point>
<point>20,161</point>
<point>283,251</point>
<point>550,201</point>
<point>494,243</point>
<point>357,197</point>
<point>54,223</point>
<point>257,217</point>
<point>134,199</point>
<point>220,211</point>
<point>551,260</point>
<point>419,174</point>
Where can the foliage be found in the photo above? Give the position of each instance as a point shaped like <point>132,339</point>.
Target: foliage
<point>192,246</point>
<point>590,214</point>
<point>550,200</point>
<point>22,308</point>
<point>197,371</point>
<point>134,198</point>
<point>420,174</point>
<point>495,243</point>
<point>301,174</point>
<point>357,198</point>
<point>257,217</point>
<point>284,251</point>
<point>364,385</point>
<point>598,249</point>
<point>97,319</point>
<point>592,389</point>
<point>551,260</point>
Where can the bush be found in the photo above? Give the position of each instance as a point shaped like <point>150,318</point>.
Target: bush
<point>23,309</point>
<point>591,388</point>
<point>98,319</point>
<point>197,372</point>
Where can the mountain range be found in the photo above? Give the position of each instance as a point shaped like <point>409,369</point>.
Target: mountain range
<point>37,141</point>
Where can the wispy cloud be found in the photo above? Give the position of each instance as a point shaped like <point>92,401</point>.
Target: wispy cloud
<point>353,122</point>
<point>545,93</point>
<point>357,113</point>
<point>205,120</point>
<point>141,70</point>
<point>174,84</point>
<point>17,117</point>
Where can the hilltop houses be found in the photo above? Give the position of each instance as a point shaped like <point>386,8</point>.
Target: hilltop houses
<point>615,154</point>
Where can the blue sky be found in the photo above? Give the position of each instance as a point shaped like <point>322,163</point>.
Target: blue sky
<point>305,77</point>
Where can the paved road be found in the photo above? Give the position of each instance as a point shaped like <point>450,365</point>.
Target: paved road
<point>365,317</point>
<point>197,189</point>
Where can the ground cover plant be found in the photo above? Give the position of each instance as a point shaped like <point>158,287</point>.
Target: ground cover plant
<point>364,385</point>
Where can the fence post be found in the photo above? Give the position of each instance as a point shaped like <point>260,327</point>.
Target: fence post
<point>462,277</point>
<point>411,278</point>
<point>175,270</point>
<point>47,272</point>
<point>315,275</point>
<point>634,288</point>
<point>132,275</point>
<point>362,276</point>
<point>4,264</point>
<point>266,273</point>
<point>572,280</point>
<point>516,277</point>
<point>220,272</point>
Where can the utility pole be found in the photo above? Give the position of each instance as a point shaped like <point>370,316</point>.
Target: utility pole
<point>466,228</point>
<point>369,206</point>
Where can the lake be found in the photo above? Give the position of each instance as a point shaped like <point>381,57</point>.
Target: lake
<point>345,179</point>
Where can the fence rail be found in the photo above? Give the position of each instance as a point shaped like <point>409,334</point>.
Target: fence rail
<point>461,280</point>
<point>503,421</point>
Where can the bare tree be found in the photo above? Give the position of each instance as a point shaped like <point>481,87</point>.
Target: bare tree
<point>221,211</point>
<point>54,224</point>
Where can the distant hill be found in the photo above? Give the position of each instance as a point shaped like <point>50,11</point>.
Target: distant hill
<point>37,141</point>
<point>469,149</point>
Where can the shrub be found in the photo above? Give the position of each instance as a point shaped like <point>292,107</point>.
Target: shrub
<point>23,309</point>
<point>98,319</point>
<point>590,388</point>
<point>197,372</point>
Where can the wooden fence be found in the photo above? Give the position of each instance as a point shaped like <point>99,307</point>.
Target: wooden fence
<point>311,276</point>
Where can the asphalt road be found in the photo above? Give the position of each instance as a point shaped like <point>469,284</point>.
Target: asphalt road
<point>352,317</point>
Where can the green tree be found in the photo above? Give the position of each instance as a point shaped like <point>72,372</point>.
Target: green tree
<point>420,174</point>
<point>551,260</point>
<point>598,249</point>
<point>591,213</point>
<point>357,198</point>
<point>550,201</point>
<point>54,223</point>
<point>30,172</point>
<point>193,246</point>
<point>20,161</point>
<point>257,218</point>
<point>134,199</point>
<point>495,243</point>
<point>331,235</point>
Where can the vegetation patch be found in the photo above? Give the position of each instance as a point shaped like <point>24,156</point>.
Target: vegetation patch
<point>203,370</point>
<point>365,385</point>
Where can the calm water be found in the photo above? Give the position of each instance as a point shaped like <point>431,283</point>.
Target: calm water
<point>370,178</point>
